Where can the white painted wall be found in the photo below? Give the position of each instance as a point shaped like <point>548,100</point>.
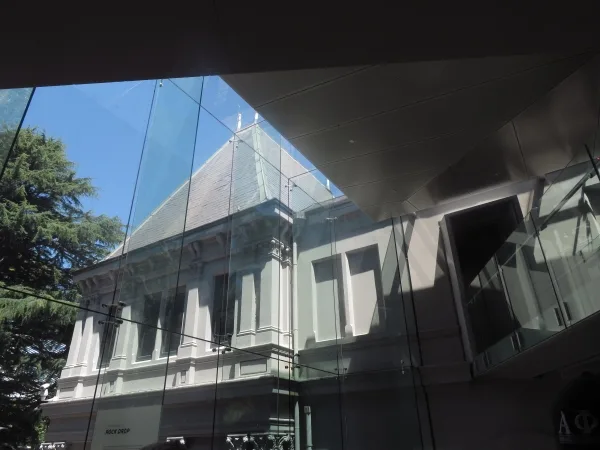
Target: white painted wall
<point>339,275</point>
<point>260,327</point>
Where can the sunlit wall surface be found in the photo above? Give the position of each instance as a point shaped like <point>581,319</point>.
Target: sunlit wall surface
<point>180,271</point>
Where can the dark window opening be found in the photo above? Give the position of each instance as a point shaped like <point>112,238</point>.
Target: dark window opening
<point>479,240</point>
<point>147,329</point>
<point>107,349</point>
<point>224,308</point>
<point>173,322</point>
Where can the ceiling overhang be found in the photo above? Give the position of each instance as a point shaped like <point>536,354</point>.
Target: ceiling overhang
<point>399,138</point>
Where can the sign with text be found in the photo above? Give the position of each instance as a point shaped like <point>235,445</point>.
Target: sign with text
<point>127,427</point>
<point>577,413</point>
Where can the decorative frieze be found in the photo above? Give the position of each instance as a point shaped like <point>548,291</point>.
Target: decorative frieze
<point>55,445</point>
<point>260,442</point>
<point>279,251</point>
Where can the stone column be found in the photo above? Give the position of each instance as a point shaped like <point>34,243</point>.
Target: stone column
<point>285,304</point>
<point>123,339</point>
<point>269,299</point>
<point>247,307</point>
<point>204,317</point>
<point>75,343</point>
<point>85,346</point>
<point>191,325</point>
<point>121,355</point>
<point>80,355</point>
<point>196,328</point>
<point>270,289</point>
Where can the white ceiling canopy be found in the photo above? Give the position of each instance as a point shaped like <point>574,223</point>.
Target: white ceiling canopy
<point>398,138</point>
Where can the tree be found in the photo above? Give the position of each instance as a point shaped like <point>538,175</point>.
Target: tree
<point>45,234</point>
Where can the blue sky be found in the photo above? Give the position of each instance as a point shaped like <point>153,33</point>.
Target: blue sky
<point>103,127</point>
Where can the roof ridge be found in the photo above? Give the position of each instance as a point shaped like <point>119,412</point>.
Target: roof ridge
<point>255,130</point>
<point>165,201</point>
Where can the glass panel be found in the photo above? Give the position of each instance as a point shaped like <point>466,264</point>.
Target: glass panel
<point>402,230</point>
<point>532,296</point>
<point>513,303</point>
<point>142,336</point>
<point>192,86</point>
<point>248,301</point>
<point>75,162</point>
<point>172,400</point>
<point>13,106</point>
<point>92,136</point>
<point>570,236</point>
<point>150,314</point>
<point>253,341</point>
<point>304,171</point>
<point>377,383</point>
<point>402,227</point>
<point>383,401</point>
<point>188,413</point>
<point>544,277</point>
<point>193,360</point>
<point>224,294</point>
<point>173,321</point>
<point>314,290</point>
<point>492,321</point>
<point>255,403</point>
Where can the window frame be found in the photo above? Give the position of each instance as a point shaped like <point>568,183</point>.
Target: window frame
<point>224,339</point>
<point>179,298</point>
<point>161,327</point>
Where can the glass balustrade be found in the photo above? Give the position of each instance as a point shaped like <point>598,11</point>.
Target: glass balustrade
<point>545,276</point>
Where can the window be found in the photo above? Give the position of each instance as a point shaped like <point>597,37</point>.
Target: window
<point>331,315</point>
<point>147,331</point>
<point>173,323</point>
<point>108,337</point>
<point>224,307</point>
<point>161,326</point>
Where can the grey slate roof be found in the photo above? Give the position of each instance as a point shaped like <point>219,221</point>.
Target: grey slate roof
<point>261,170</point>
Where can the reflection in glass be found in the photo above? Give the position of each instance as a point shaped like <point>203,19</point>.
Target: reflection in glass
<point>13,105</point>
<point>248,304</point>
<point>224,307</point>
<point>223,103</point>
<point>147,329</point>
<point>543,279</point>
<point>110,331</point>
<point>68,217</point>
<point>172,320</point>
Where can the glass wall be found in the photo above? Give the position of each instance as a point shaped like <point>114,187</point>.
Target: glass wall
<point>544,278</point>
<point>180,271</point>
